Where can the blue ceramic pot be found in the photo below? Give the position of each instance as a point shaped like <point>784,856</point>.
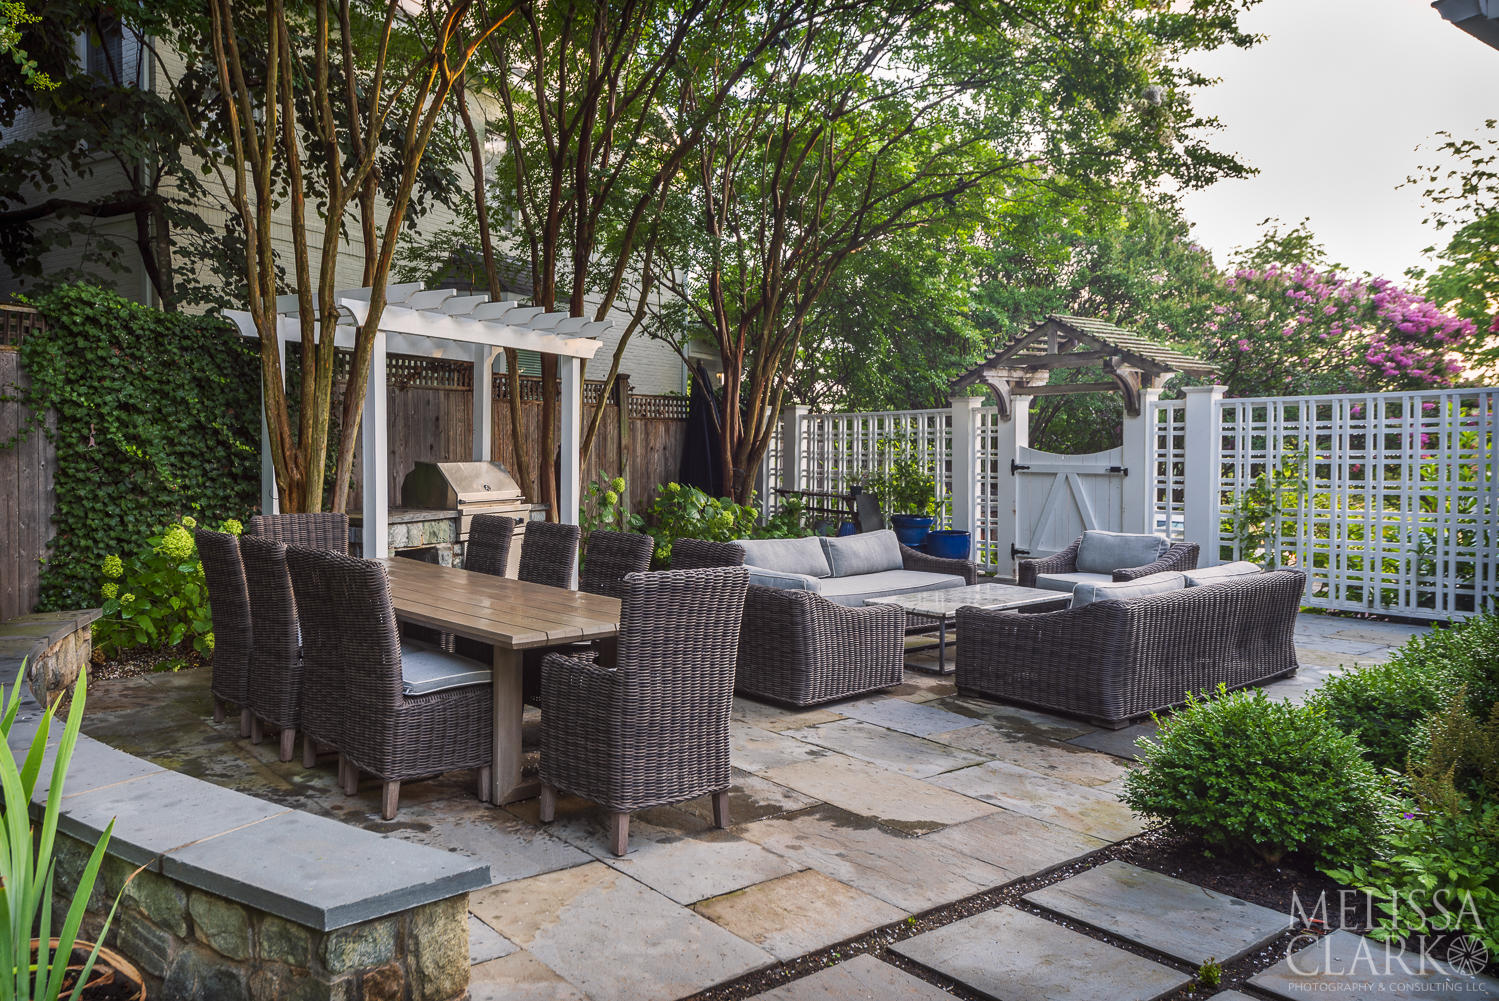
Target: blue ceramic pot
<point>911,529</point>
<point>949,543</point>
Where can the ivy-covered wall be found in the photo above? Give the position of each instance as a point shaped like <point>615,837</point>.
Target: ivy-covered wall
<point>158,415</point>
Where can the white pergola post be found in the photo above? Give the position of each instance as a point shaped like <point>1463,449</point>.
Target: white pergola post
<point>1139,464</point>
<point>375,456</point>
<point>571,440</point>
<point>1012,435</point>
<point>1201,464</point>
<point>965,459</point>
<point>484,357</point>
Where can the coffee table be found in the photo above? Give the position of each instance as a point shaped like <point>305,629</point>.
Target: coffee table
<point>942,606</point>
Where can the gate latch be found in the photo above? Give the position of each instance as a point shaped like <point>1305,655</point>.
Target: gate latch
<point>1016,552</point>
<point>1016,467</point>
<point>1121,470</point>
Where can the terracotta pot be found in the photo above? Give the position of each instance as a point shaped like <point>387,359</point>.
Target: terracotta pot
<point>111,970</point>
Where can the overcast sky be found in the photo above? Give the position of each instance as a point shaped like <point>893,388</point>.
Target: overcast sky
<point>1331,108</point>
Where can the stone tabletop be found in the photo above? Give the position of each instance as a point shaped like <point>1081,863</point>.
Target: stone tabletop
<point>944,603</point>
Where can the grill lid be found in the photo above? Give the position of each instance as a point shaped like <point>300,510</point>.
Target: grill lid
<point>453,484</point>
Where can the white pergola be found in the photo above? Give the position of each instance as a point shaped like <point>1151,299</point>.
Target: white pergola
<point>441,323</point>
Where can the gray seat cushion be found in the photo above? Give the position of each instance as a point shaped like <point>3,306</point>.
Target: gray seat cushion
<point>798,556</point>
<point>1067,581</point>
<point>784,581</point>
<point>426,669</point>
<point>872,552</point>
<point>1222,572</point>
<point>853,590</point>
<point>1105,552</point>
<point>1156,583</point>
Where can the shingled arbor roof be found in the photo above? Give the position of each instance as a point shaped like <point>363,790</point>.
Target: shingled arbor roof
<point>1133,363</point>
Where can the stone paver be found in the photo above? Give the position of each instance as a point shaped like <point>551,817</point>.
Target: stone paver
<point>1082,808</point>
<point>693,868</point>
<point>1013,720</point>
<point>862,978</point>
<point>1023,845</point>
<point>1120,743</point>
<point>913,873</point>
<point>1009,955</point>
<point>777,718</point>
<point>916,718</point>
<point>898,752</point>
<point>612,937</point>
<point>755,750</point>
<point>910,805</point>
<point>1346,965</point>
<point>1171,916</point>
<point>513,848</point>
<point>751,798</point>
<point>1045,757</point>
<point>797,914</point>
<point>484,943</point>
<point>519,977</point>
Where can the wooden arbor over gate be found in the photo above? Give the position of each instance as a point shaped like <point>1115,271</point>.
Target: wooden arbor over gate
<point>1133,363</point>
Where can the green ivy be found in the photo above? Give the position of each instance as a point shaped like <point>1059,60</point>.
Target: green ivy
<point>157,416</point>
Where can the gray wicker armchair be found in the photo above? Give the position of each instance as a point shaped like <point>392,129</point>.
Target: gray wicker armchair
<point>1111,662</point>
<point>488,546</point>
<point>549,553</point>
<point>1179,556</point>
<point>274,694</point>
<point>350,644</point>
<point>653,727</point>
<point>798,648</point>
<point>700,554</point>
<point>611,556</point>
<point>321,530</point>
<point>229,605</point>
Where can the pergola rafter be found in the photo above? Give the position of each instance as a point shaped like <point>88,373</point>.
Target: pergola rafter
<point>1024,365</point>
<point>442,323</point>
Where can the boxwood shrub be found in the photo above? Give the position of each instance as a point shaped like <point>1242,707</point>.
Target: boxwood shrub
<point>1244,773</point>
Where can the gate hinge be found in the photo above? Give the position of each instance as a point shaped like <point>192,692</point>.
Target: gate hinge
<point>1121,470</point>
<point>1016,467</point>
<point>1016,552</point>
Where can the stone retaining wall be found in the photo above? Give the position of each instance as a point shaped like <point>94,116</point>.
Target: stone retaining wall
<point>192,944</point>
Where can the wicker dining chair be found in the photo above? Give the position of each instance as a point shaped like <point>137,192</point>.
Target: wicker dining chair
<point>700,554</point>
<point>609,557</point>
<point>350,644</point>
<point>549,553</point>
<point>274,692</point>
<point>652,728</point>
<point>488,547</point>
<point>320,530</point>
<point>229,606</point>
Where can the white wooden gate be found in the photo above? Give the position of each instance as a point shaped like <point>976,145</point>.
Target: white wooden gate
<point>1058,496</point>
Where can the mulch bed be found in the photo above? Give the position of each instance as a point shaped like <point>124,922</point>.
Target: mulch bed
<point>143,660</point>
<point>1249,879</point>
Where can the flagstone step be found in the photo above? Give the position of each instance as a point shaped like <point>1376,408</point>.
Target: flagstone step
<point>862,978</point>
<point>1009,955</point>
<point>1169,915</point>
<point>1351,966</point>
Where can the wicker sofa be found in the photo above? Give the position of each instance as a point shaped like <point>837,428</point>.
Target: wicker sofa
<point>1098,556</point>
<point>850,569</point>
<point>1113,661</point>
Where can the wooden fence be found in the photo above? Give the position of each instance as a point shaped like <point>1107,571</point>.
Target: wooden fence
<point>431,420</point>
<point>26,495</point>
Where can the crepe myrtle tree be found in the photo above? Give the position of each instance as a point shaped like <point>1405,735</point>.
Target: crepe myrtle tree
<point>879,119</point>
<point>334,103</point>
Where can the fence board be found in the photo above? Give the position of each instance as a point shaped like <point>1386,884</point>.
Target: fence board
<point>26,495</point>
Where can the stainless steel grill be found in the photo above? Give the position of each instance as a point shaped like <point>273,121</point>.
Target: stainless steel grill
<point>469,488</point>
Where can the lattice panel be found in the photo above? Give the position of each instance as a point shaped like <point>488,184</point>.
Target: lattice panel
<point>991,548</point>
<point>837,448</point>
<point>1397,511</point>
<point>1168,468</point>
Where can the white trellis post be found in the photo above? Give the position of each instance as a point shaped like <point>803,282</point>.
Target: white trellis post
<point>374,452</point>
<point>571,439</point>
<point>965,463</point>
<point>792,447</point>
<point>1201,467</point>
<point>1139,465</point>
<point>484,356</point>
<point>1011,436</point>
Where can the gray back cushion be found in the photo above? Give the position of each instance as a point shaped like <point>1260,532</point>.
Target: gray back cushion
<point>871,552</point>
<point>1222,572</point>
<point>1105,552</point>
<point>426,669</point>
<point>802,556</point>
<point>1088,592</point>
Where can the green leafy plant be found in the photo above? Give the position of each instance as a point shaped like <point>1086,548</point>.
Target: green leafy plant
<point>679,511</point>
<point>901,480</point>
<point>29,968</point>
<point>1257,512</point>
<point>157,597</point>
<point>1210,973</point>
<point>1435,870</point>
<point>1242,772</point>
<point>157,415</point>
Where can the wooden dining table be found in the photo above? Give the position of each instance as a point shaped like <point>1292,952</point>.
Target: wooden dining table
<point>511,615</point>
